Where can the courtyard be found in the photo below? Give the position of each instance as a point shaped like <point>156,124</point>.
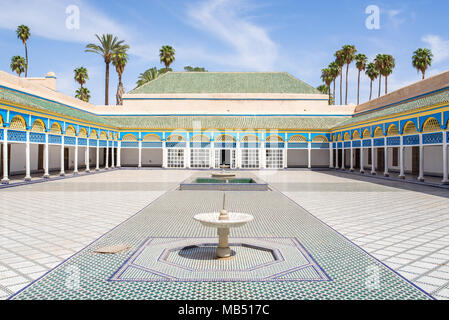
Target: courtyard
<point>331,235</point>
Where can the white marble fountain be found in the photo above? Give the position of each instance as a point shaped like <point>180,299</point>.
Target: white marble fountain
<point>223,222</point>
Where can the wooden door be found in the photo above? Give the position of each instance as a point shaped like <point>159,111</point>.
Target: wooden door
<point>381,159</point>
<point>415,160</point>
<point>40,158</point>
<point>357,159</point>
<point>66,158</point>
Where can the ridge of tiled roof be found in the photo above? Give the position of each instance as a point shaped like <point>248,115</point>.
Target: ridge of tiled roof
<point>225,82</point>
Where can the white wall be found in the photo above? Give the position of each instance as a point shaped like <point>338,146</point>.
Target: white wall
<point>130,157</point>
<point>297,158</point>
<point>17,165</point>
<point>433,160</point>
<point>320,158</point>
<point>152,157</point>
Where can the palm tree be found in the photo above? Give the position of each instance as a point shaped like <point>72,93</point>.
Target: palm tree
<point>349,52</point>
<point>119,60</point>
<point>340,61</point>
<point>422,60</point>
<point>389,65</point>
<point>23,33</point>
<point>167,55</point>
<point>18,65</point>
<point>361,61</point>
<point>323,89</point>
<point>147,76</point>
<point>81,76</point>
<point>335,71</point>
<point>372,73</point>
<point>380,66</point>
<point>83,94</point>
<point>326,76</point>
<point>109,45</point>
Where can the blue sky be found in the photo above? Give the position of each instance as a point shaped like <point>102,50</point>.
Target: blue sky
<point>295,36</point>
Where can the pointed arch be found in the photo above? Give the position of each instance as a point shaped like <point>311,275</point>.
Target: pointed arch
<point>18,123</point>
<point>93,134</point>
<point>298,138</point>
<point>225,138</point>
<point>356,135</point>
<point>378,133</point>
<point>274,138</point>
<point>128,137</point>
<point>366,134</point>
<point>38,126</point>
<point>320,139</point>
<point>103,136</point>
<point>70,131</point>
<point>175,138</point>
<point>431,125</point>
<point>410,128</point>
<point>347,137</point>
<point>152,138</point>
<point>250,138</point>
<point>56,128</point>
<point>339,137</point>
<point>82,133</point>
<point>392,130</point>
<point>200,138</point>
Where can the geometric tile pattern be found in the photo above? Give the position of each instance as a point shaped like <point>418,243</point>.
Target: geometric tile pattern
<point>193,259</point>
<point>406,226</point>
<point>354,273</point>
<point>43,224</point>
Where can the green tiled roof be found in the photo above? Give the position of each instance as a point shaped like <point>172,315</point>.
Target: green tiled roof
<point>227,122</point>
<point>225,82</point>
<point>44,105</point>
<point>400,107</point>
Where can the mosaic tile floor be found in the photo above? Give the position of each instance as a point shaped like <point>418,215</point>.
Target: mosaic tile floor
<point>43,224</point>
<point>352,272</point>
<point>404,225</point>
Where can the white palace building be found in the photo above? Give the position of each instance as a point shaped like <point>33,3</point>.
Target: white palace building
<point>206,120</point>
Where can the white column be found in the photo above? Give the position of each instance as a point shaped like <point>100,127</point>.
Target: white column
<point>113,154</point>
<point>106,166</point>
<point>87,156</point>
<point>309,155</point>
<point>331,155</point>
<point>343,156</point>
<point>362,163</point>
<point>97,157</point>
<point>5,179</point>
<point>386,173</point>
<point>75,162</point>
<point>119,154</point>
<point>352,158</point>
<point>238,155</point>
<point>285,155</point>
<point>373,166</point>
<point>212,156</point>
<point>445,169</point>
<point>421,159</point>
<point>401,159</point>
<point>46,159</point>
<point>27,158</point>
<point>262,156</point>
<point>164,155</point>
<point>140,154</point>
<point>62,174</point>
<point>337,160</point>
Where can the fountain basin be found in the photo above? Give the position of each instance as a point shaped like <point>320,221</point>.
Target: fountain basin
<point>212,220</point>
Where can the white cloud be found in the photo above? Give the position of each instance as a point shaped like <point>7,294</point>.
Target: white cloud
<point>251,44</point>
<point>439,47</point>
<point>47,18</point>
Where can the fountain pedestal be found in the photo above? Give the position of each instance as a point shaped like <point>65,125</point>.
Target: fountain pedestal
<point>223,221</point>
